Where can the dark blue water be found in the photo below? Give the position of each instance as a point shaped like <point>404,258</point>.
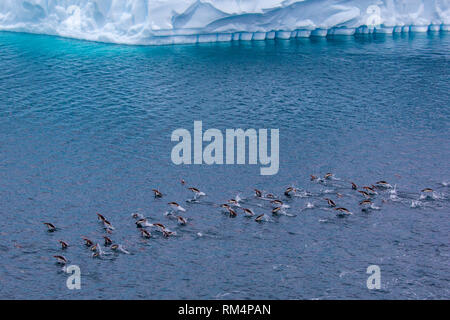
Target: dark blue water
<point>85,128</point>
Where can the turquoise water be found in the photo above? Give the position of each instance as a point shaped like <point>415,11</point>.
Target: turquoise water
<point>85,127</point>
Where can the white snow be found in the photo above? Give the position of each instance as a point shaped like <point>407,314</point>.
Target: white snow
<point>192,21</point>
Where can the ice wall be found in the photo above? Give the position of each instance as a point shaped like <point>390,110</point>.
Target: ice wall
<point>191,21</point>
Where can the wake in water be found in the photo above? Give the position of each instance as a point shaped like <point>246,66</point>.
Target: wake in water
<point>366,199</point>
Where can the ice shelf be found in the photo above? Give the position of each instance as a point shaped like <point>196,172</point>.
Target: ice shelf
<point>153,22</point>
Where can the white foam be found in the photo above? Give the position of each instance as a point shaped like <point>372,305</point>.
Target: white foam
<point>192,21</point>
<point>416,204</point>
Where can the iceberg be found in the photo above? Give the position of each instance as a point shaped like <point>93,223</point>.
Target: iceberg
<point>154,22</point>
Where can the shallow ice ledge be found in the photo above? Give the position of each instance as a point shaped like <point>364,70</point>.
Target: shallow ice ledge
<point>148,22</point>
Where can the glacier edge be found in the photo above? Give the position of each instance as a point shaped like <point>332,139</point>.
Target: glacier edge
<point>155,22</point>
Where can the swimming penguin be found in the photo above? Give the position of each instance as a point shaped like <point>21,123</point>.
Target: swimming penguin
<point>87,242</point>
<point>145,234</point>
<point>276,210</point>
<point>427,193</point>
<point>370,190</point>
<point>108,241</point>
<point>383,184</point>
<point>263,218</point>
<point>343,211</point>
<point>288,191</point>
<point>143,223</point>
<point>225,206</point>
<point>258,193</point>
<point>330,202</point>
<point>197,193</point>
<point>60,260</point>
<point>181,221</point>
<point>365,194</point>
<point>50,227</point>
<point>101,217</point>
<point>175,206</point>
<point>64,245</point>
<point>232,213</point>
<point>365,202</point>
<point>248,212</point>
<point>119,248</point>
<point>277,202</point>
<point>157,193</point>
<point>354,186</point>
<point>97,249</point>
<point>160,226</point>
<point>368,205</point>
<point>328,176</point>
<point>108,226</point>
<point>234,202</point>
<point>167,233</point>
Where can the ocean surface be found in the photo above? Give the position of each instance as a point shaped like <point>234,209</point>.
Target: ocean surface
<point>85,128</point>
